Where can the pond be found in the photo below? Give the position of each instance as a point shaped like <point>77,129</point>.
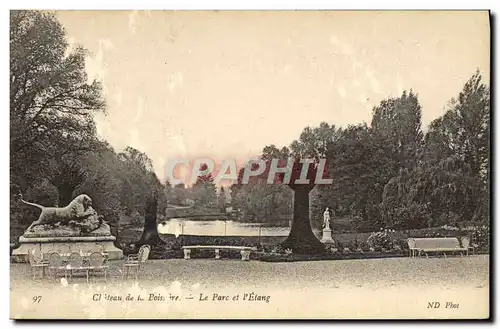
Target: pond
<point>181,226</point>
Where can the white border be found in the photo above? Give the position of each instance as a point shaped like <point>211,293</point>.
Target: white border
<point>256,4</point>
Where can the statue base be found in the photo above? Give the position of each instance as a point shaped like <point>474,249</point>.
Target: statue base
<point>64,241</point>
<point>327,236</point>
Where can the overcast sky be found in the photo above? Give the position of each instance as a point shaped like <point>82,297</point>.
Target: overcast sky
<point>225,84</point>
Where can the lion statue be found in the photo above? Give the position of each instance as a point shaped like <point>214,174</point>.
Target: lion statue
<point>75,213</point>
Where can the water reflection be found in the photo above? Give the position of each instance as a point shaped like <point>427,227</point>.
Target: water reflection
<point>179,226</point>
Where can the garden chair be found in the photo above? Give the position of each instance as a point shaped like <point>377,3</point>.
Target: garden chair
<point>137,261</point>
<point>37,263</point>
<point>412,247</point>
<point>56,265</point>
<point>97,264</point>
<point>466,244</point>
<point>473,248</point>
<point>75,264</point>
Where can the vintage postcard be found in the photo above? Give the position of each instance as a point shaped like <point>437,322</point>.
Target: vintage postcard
<point>249,164</point>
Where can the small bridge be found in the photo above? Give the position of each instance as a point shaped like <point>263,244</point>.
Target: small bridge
<point>220,216</point>
<point>174,206</point>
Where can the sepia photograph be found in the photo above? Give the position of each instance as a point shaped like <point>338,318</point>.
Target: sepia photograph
<point>250,164</point>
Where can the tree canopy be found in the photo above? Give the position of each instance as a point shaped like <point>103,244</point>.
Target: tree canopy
<point>386,173</point>
<point>56,153</point>
<point>390,173</point>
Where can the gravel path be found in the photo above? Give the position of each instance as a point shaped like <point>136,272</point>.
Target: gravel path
<point>348,286</point>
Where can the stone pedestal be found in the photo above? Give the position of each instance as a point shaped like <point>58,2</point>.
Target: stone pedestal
<point>327,236</point>
<point>64,240</point>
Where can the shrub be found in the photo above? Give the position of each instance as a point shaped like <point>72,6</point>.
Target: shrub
<point>280,250</point>
<point>363,246</point>
<point>173,245</point>
<point>380,240</point>
<point>481,237</point>
<point>352,245</point>
<point>403,244</point>
<point>329,249</point>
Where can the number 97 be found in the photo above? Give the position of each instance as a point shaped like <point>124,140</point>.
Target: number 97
<point>37,299</point>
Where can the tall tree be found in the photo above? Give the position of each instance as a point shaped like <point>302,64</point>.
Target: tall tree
<point>458,147</point>
<point>396,129</point>
<point>301,238</point>
<point>358,167</point>
<point>314,143</point>
<point>403,203</point>
<point>139,180</point>
<point>51,102</point>
<point>464,130</point>
<point>150,231</point>
<point>180,194</point>
<point>221,199</point>
<point>397,125</point>
<point>204,189</point>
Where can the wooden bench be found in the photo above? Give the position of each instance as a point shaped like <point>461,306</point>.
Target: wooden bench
<point>245,251</point>
<point>419,246</point>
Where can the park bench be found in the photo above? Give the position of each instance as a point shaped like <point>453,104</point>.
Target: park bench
<point>419,246</point>
<point>245,251</point>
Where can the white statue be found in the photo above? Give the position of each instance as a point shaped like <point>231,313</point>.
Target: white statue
<point>326,219</point>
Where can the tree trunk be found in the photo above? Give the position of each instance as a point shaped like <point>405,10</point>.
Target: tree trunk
<point>150,232</point>
<point>65,194</point>
<point>301,239</point>
<point>114,226</point>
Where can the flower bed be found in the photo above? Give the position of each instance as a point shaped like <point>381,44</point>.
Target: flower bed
<point>383,244</point>
<point>480,238</point>
<point>271,257</point>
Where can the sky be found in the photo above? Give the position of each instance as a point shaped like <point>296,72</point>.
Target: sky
<point>224,84</point>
